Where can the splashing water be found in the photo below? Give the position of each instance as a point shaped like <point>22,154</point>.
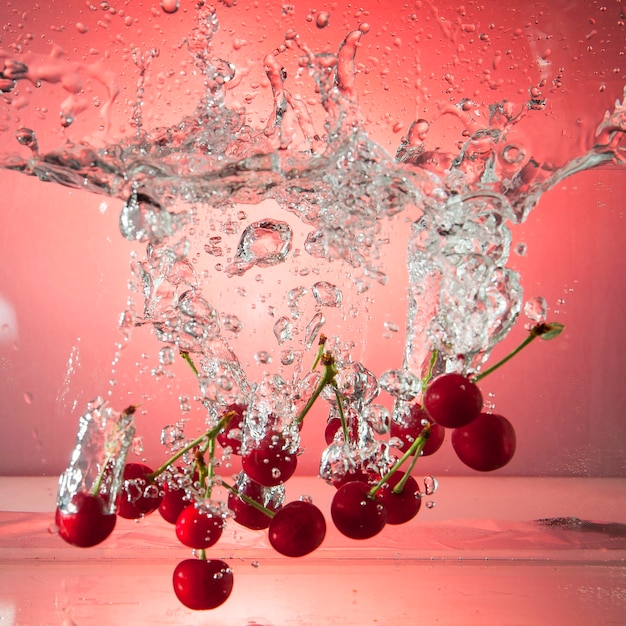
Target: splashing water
<point>183,186</point>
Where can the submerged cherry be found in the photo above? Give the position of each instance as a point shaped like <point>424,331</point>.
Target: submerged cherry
<point>298,528</point>
<point>140,496</point>
<point>270,463</point>
<point>85,522</point>
<point>202,584</point>
<point>247,514</point>
<point>411,428</point>
<point>453,400</point>
<point>231,434</point>
<point>198,529</point>
<point>404,506</point>
<point>487,444</point>
<point>355,513</point>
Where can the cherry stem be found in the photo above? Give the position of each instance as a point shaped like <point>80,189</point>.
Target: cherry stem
<point>415,448</point>
<point>202,554</point>
<point>248,500</point>
<point>190,362</point>
<point>320,352</point>
<point>209,435</point>
<point>342,415</point>
<point>95,489</point>
<point>543,330</point>
<point>431,367</point>
<point>328,376</point>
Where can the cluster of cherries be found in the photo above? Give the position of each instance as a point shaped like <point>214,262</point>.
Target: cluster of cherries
<point>363,503</point>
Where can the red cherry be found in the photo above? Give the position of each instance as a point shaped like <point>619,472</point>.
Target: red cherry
<point>173,503</point>
<point>198,529</point>
<point>297,529</point>
<point>231,435</point>
<point>355,514</point>
<point>411,428</point>
<point>453,400</point>
<point>202,584</point>
<point>139,495</point>
<point>85,522</point>
<point>404,506</point>
<point>487,444</point>
<point>246,514</point>
<point>332,426</point>
<point>270,463</point>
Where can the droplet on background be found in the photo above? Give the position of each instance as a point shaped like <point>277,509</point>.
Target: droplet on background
<point>169,6</point>
<point>322,19</point>
<point>536,309</point>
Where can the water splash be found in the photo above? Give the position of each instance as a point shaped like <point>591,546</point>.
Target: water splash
<point>314,162</point>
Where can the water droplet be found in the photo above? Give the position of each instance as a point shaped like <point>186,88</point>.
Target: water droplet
<point>322,19</point>
<point>282,330</point>
<point>263,244</point>
<point>391,326</point>
<point>167,355</point>
<point>28,397</point>
<point>232,323</point>
<point>27,137</point>
<point>169,6</point>
<point>263,357</point>
<point>327,294</point>
<point>429,504</point>
<point>143,219</point>
<point>536,309</point>
<point>313,328</point>
<point>430,485</point>
<point>521,249</point>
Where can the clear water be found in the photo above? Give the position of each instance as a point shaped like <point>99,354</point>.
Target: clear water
<point>217,197</point>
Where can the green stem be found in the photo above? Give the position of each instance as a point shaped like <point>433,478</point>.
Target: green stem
<point>95,490</point>
<point>342,415</point>
<point>249,500</point>
<point>328,376</point>
<point>210,474</point>
<point>209,435</point>
<point>531,337</point>
<point>202,554</point>
<point>431,367</point>
<point>416,448</point>
<point>320,352</point>
<point>544,330</point>
<point>190,362</point>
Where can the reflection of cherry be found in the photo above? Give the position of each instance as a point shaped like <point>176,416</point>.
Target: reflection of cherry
<point>453,400</point>
<point>270,463</point>
<point>355,513</point>
<point>297,529</point>
<point>85,522</point>
<point>487,444</point>
<point>202,584</point>
<point>411,428</point>
<point>197,529</point>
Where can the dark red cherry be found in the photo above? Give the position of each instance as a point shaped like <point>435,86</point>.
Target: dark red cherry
<point>270,463</point>
<point>404,506</point>
<point>246,514</point>
<point>85,521</point>
<point>355,513</point>
<point>298,528</point>
<point>411,427</point>
<point>198,529</point>
<point>486,444</point>
<point>140,495</point>
<point>453,400</point>
<point>231,434</point>
<point>202,584</point>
